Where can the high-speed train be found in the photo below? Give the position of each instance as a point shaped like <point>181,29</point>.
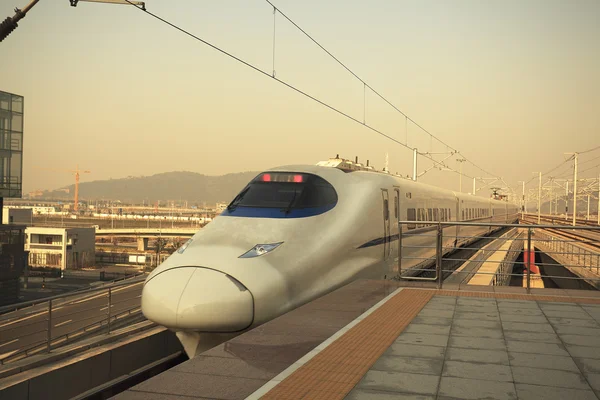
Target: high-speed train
<point>295,233</point>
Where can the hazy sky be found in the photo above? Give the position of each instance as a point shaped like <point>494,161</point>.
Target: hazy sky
<point>511,84</point>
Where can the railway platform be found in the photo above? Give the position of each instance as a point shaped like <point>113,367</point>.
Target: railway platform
<point>389,340</point>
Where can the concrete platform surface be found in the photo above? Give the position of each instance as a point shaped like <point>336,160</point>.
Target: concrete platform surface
<point>375,340</point>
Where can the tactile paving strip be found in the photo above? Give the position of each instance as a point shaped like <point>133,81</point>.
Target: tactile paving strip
<point>333,372</point>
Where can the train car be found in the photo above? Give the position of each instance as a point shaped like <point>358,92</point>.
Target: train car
<point>295,233</point>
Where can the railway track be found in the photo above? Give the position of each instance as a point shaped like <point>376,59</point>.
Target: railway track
<point>454,259</point>
<point>588,238</point>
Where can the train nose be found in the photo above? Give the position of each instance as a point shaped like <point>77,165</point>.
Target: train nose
<point>198,299</point>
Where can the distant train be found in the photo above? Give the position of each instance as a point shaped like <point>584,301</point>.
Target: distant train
<point>295,233</point>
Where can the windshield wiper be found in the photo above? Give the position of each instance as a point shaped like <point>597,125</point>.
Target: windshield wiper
<point>237,199</point>
<point>289,207</point>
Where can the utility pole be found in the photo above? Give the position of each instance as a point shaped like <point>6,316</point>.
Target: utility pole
<point>588,213</point>
<point>523,198</point>
<point>575,192</point>
<point>414,164</point>
<point>551,186</point>
<point>567,202</point>
<point>473,186</point>
<point>540,200</point>
<point>460,160</point>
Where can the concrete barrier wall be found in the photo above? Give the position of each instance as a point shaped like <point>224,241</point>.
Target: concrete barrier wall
<point>70,378</point>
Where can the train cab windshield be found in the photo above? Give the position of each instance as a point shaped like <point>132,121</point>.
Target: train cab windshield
<point>280,194</point>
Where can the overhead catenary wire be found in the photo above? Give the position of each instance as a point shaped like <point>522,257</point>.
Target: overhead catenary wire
<point>288,85</point>
<point>590,150</point>
<point>366,85</point>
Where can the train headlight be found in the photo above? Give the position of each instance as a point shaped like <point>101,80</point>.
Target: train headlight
<point>185,245</point>
<point>260,249</point>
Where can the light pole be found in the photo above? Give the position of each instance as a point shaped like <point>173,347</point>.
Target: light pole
<point>539,197</point>
<point>575,156</point>
<point>461,160</point>
<point>523,198</point>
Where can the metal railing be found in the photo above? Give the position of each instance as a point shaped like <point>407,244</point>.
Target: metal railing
<point>41,326</point>
<point>471,252</point>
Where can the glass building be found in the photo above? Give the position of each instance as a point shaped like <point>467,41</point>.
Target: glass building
<point>12,254</point>
<point>11,145</point>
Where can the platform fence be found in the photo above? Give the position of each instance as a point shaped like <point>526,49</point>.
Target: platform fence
<point>92,311</point>
<point>498,254</point>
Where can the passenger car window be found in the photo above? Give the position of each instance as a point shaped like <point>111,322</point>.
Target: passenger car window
<point>411,216</point>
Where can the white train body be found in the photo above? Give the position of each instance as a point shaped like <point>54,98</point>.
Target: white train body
<point>336,230</point>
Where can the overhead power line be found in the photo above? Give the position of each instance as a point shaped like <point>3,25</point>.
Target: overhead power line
<point>272,76</point>
<point>590,150</point>
<point>366,85</point>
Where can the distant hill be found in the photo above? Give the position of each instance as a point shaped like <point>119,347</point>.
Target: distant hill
<point>190,186</point>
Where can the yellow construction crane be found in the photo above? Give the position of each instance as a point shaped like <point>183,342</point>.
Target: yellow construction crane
<point>76,171</point>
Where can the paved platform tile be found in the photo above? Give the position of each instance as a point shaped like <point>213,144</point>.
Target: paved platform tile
<point>443,299</point>
<point>432,321</point>
<point>428,329</point>
<point>401,349</point>
<point>400,382</point>
<point>564,307</point>
<point>477,301</point>
<point>474,323</point>
<point>481,316</point>
<point>476,332</point>
<point>575,314</point>
<point>580,340</point>
<point>479,371</point>
<point>594,381</point>
<point>493,309</point>
<point>362,394</point>
<point>576,330</point>
<point>536,348</point>
<point>427,366</point>
<point>582,352</point>
<point>527,327</point>
<point>137,395</point>
<point>549,377</point>
<point>476,343</point>
<point>528,319</point>
<point>536,392</point>
<point>473,389</point>
<point>477,355</point>
<point>423,339</point>
<point>437,313</point>
<point>546,361</point>
<point>532,337</point>
<point>520,304</point>
<point>439,307</point>
<point>585,323</point>
<point>185,384</point>
<point>588,365</point>
<point>532,312</point>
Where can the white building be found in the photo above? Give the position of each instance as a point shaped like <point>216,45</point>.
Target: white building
<point>18,216</point>
<point>64,248</point>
